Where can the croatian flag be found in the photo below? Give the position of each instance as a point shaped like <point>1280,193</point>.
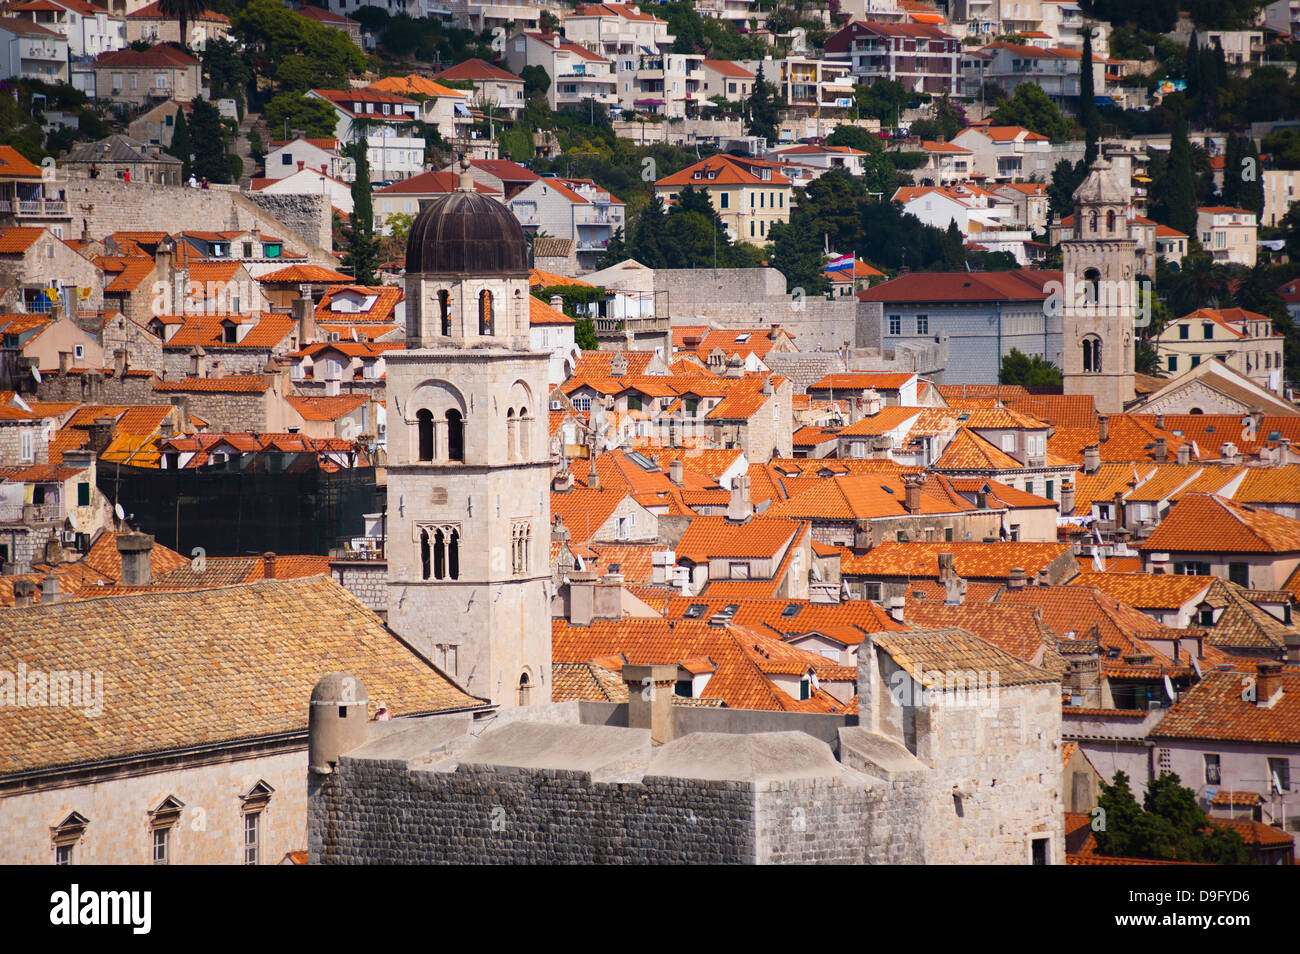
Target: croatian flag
<point>843,263</point>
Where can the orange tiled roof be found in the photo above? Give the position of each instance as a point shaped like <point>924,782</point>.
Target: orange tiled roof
<point>1164,591</point>
<point>1202,523</point>
<point>980,561</point>
<point>713,537</point>
<point>1214,709</point>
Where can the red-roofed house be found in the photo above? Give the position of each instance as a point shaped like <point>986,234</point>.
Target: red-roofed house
<point>33,260</point>
<point>391,149</point>
<point>89,29</point>
<point>492,84</point>
<point>153,26</point>
<point>1243,340</point>
<point>921,56</point>
<point>1228,234</point>
<point>288,156</point>
<point>728,80</point>
<point>577,74</point>
<point>32,52</point>
<point>1007,153</point>
<point>1054,69</point>
<point>576,209</point>
<point>140,77</point>
<point>749,195</point>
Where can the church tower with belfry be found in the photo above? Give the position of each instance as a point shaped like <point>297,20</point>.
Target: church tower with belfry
<point>468,456</point>
<point>1099,307</point>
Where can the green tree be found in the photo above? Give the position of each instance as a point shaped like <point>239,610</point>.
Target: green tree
<point>1028,370</point>
<point>1176,189</point>
<point>763,109</point>
<point>855,137</point>
<point>797,253</point>
<point>1169,825</point>
<point>289,111</point>
<point>885,100</point>
<point>361,248</point>
<point>615,251</point>
<point>1066,179</point>
<point>1031,108</point>
<point>208,139</point>
<point>229,74</point>
<point>184,11</point>
<point>1088,114</point>
<point>584,334</point>
<point>180,146</point>
<point>536,79</point>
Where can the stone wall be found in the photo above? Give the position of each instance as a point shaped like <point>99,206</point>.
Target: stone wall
<point>96,388</point>
<point>367,581</point>
<point>230,412</point>
<point>104,206</point>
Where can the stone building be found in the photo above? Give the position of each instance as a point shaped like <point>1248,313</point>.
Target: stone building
<point>121,157</point>
<point>1098,307</point>
<point>926,774</point>
<point>468,457</point>
<point>172,728</point>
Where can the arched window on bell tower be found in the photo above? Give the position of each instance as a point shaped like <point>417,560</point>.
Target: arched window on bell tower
<point>485,315</point>
<point>1092,287</point>
<point>512,435</point>
<point>1091,354</point>
<point>444,312</point>
<point>425,554</point>
<point>524,444</point>
<point>1092,221</point>
<point>424,426</point>
<point>455,435</point>
<point>525,689</point>
<point>1110,221</point>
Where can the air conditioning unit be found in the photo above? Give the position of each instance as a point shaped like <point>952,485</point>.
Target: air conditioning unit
<point>333,336</point>
<point>557,406</point>
<point>68,538</point>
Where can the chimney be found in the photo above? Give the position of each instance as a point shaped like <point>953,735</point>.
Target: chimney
<point>1162,449</point>
<point>1091,459</point>
<point>50,589</point>
<point>982,499</point>
<point>593,478</point>
<point>1257,420</point>
<point>562,482</point>
<point>766,389</point>
<point>1067,497</point>
<point>163,267</point>
<point>1269,686</point>
<point>894,607</point>
<point>675,471</point>
<point>24,591</point>
<point>947,568</point>
<point>1160,422</point>
<point>198,367</point>
<point>1103,428</point>
<point>166,430</point>
<point>135,548</point>
<point>65,361</point>
<point>739,507</point>
<point>1228,453</point>
<point>119,363</point>
<point>268,565</point>
<point>661,567</point>
<point>304,314</point>
<point>735,367</point>
<point>650,700</point>
<point>1184,453</point>
<point>100,435</point>
<point>1159,563</point>
<point>301,164</point>
<point>1293,646</point>
<point>590,599</point>
<point>912,484</point>
<point>557,302</point>
<point>1016,580</point>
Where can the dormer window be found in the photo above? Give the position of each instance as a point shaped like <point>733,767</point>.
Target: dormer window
<point>229,332</point>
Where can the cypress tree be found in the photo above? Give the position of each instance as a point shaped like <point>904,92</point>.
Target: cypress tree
<point>1250,193</point>
<point>180,146</point>
<point>1088,102</point>
<point>1193,66</point>
<point>1179,189</point>
<point>1232,171</point>
<point>359,242</point>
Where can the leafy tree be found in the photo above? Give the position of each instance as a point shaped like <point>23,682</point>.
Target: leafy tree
<point>886,100</point>
<point>1066,179</point>
<point>1028,370</point>
<point>180,147</point>
<point>615,251</point>
<point>228,71</point>
<point>299,53</point>
<point>855,137</point>
<point>536,79</point>
<point>1168,826</point>
<point>208,137</point>
<point>361,248</point>
<point>949,119</point>
<point>289,111</point>
<point>584,334</point>
<point>1284,146</point>
<point>1031,108</point>
<point>763,109</point>
<point>797,253</point>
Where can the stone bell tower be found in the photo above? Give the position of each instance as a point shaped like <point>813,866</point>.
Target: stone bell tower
<point>468,457</point>
<point>1099,303</point>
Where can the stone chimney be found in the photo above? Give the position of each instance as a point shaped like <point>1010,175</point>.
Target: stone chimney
<point>1091,459</point>
<point>24,592</point>
<point>1162,450</point>
<point>198,367</point>
<point>1158,562</point>
<point>304,316</point>
<point>912,484</point>
<point>136,550</point>
<point>1293,646</point>
<point>100,435</point>
<point>1228,453</point>
<point>268,565</point>
<point>1184,453</point>
<point>593,478</point>
<point>589,599</point>
<point>1160,422</point>
<point>947,567</point>
<point>557,302</point>
<point>562,482</point>
<point>119,363</point>
<point>50,589</point>
<point>735,367</point>
<point>1268,689</point>
<point>766,390</point>
<point>1017,579</point>
<point>894,607</point>
<point>65,361</point>
<point>1067,497</point>
<point>1103,428</point>
<point>675,471</point>
<point>1257,420</point>
<point>740,507</point>
<point>650,700</point>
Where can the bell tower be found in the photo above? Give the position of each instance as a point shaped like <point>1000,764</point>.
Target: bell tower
<point>468,456</point>
<point>1100,303</point>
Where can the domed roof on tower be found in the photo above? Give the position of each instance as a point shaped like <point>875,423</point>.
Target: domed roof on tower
<point>466,233</point>
<point>1102,187</point>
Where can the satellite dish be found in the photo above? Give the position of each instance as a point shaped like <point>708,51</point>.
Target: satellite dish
<point>117,509</point>
<point>1197,666</point>
<point>72,520</point>
<point>1169,690</point>
<point>18,399</point>
<point>36,374</point>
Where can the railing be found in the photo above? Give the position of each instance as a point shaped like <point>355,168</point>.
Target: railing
<point>31,513</point>
<point>360,548</point>
<point>611,326</point>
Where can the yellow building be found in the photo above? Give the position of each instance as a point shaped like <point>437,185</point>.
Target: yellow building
<point>1243,340</point>
<point>749,195</point>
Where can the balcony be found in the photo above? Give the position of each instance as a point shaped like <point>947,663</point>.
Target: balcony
<point>617,327</point>
<point>31,513</point>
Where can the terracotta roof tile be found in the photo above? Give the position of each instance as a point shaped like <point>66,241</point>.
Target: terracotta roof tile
<point>1214,709</point>
<point>1202,523</point>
